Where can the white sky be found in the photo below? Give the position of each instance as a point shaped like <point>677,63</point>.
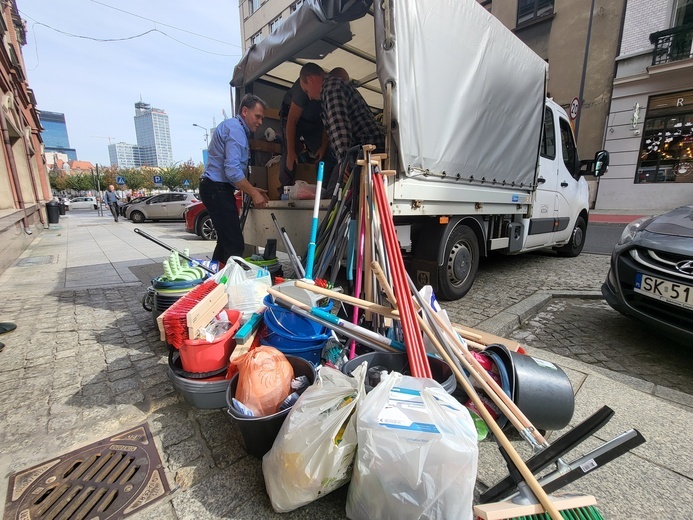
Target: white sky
<point>96,84</point>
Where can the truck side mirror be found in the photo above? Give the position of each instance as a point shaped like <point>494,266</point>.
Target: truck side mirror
<point>601,163</point>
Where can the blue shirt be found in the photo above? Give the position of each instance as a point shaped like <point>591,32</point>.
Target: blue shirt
<point>229,151</point>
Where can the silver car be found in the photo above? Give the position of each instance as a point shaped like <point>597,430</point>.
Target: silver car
<point>165,206</point>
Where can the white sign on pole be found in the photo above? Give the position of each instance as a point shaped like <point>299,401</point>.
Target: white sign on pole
<point>574,108</point>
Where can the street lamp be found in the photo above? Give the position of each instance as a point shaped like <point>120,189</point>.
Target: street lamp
<point>206,133</point>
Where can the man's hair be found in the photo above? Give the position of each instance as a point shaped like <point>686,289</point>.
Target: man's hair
<point>341,73</point>
<point>249,101</point>
<point>311,69</point>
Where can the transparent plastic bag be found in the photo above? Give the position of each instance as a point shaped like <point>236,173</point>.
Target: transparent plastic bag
<point>246,287</point>
<point>302,191</point>
<point>417,454</point>
<point>314,451</point>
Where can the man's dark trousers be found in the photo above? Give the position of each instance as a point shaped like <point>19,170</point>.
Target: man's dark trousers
<point>220,201</point>
<point>114,210</point>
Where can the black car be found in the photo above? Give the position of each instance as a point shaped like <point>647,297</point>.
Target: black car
<point>651,275</point>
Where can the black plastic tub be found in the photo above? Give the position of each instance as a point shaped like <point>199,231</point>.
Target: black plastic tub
<point>259,432</point>
<point>398,362</point>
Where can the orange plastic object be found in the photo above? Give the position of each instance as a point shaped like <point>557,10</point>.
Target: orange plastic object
<point>199,355</point>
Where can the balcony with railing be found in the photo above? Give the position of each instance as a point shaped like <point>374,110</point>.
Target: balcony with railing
<point>672,44</point>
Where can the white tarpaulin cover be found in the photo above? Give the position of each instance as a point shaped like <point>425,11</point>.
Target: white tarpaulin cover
<point>468,94</point>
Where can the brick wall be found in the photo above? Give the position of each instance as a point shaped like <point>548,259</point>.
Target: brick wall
<point>644,17</point>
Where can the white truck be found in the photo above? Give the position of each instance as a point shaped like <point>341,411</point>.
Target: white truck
<point>484,161</point>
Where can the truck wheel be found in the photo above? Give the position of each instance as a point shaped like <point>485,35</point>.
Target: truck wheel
<point>137,217</point>
<point>461,263</point>
<point>205,228</point>
<point>577,240</point>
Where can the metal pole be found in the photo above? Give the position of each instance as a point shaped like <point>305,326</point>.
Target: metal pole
<point>584,71</point>
<point>99,206</point>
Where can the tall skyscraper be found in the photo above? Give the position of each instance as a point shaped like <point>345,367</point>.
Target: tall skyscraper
<point>153,135</point>
<point>124,155</point>
<point>54,134</point>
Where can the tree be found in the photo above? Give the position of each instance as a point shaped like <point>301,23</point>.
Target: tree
<point>79,182</point>
<point>135,179</point>
<point>171,177</point>
<point>191,172</point>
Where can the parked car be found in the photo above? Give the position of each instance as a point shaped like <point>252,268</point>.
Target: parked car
<point>651,274</point>
<point>83,203</point>
<point>165,206</point>
<point>198,221</point>
<point>125,205</point>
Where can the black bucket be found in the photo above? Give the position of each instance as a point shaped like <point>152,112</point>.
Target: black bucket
<point>259,432</point>
<point>398,362</point>
<point>540,389</point>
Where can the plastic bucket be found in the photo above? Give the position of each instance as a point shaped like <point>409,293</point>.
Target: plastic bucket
<point>540,389</point>
<point>398,362</point>
<point>199,355</point>
<point>258,433</point>
<point>294,334</point>
<point>200,393</point>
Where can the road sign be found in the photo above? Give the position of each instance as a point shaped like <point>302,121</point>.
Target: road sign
<point>120,180</point>
<point>574,108</point>
<point>157,179</point>
<point>186,182</point>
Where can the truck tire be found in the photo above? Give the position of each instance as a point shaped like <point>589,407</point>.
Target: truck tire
<point>460,264</point>
<point>577,240</point>
<point>205,228</point>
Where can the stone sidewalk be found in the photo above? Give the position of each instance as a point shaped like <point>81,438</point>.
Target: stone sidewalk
<point>85,362</point>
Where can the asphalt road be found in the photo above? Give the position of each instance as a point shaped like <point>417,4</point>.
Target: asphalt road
<point>601,238</point>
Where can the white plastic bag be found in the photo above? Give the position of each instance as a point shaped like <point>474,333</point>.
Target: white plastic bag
<point>314,451</point>
<point>302,191</point>
<point>246,288</point>
<point>417,454</point>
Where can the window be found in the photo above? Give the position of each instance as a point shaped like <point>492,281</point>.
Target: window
<point>529,10</point>
<point>256,38</point>
<point>666,150</point>
<point>275,24</point>
<point>486,4</point>
<point>253,5</point>
<point>570,156</point>
<point>548,140</point>
<point>296,5</point>
<point>683,13</point>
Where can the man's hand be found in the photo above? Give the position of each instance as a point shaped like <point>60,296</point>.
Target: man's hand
<point>260,198</point>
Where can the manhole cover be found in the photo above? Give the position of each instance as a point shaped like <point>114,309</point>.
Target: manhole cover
<point>36,260</point>
<point>111,478</point>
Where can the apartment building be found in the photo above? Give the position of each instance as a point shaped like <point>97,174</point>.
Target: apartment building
<point>649,130</point>
<point>24,184</point>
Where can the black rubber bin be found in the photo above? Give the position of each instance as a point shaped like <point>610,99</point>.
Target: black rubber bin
<point>259,432</point>
<point>398,362</point>
<point>53,211</point>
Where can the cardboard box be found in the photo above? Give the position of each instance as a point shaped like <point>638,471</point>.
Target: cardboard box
<point>304,172</point>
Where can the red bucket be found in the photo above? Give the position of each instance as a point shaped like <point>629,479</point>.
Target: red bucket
<point>199,355</point>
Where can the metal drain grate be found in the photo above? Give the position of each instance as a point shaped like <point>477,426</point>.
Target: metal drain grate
<point>111,478</point>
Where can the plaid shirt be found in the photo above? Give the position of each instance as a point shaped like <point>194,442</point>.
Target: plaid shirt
<point>347,118</point>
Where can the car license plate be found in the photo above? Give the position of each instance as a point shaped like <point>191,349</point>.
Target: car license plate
<point>674,293</point>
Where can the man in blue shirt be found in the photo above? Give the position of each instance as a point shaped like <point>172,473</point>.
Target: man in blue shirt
<point>227,164</point>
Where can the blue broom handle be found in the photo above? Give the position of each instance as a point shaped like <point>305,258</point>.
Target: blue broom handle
<point>314,226</point>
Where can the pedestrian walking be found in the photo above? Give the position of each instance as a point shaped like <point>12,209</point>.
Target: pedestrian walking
<point>111,199</point>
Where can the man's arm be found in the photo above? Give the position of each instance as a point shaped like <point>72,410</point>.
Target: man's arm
<point>292,118</point>
<point>338,122</point>
<point>258,195</point>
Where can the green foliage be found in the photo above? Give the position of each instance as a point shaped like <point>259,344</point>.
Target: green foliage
<point>135,179</point>
<point>191,172</point>
<point>79,182</point>
<point>171,177</point>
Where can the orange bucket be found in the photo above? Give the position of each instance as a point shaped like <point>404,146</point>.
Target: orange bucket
<point>199,355</point>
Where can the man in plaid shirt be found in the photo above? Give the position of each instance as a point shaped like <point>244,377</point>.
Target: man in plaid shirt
<point>347,118</point>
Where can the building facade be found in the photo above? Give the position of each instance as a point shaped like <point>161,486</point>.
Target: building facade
<point>153,136</point>
<point>54,134</point>
<point>124,155</point>
<point>649,130</point>
<point>24,184</point>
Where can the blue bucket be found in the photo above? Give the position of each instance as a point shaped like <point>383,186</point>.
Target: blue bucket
<point>294,334</point>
